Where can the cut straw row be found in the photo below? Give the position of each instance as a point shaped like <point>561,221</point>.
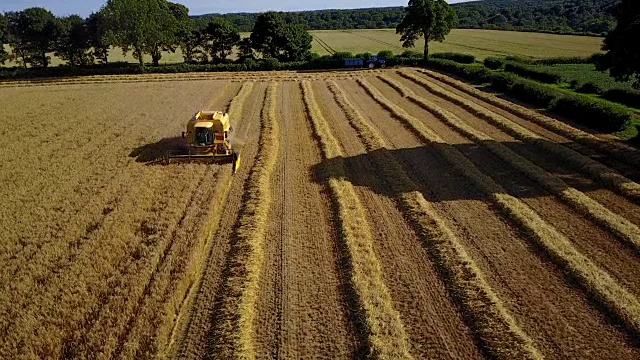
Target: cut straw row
<point>596,170</point>
<point>621,151</point>
<point>621,227</point>
<point>497,329</point>
<point>597,282</point>
<point>386,336</point>
<point>236,328</point>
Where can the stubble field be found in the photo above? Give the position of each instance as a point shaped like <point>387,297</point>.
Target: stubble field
<point>390,213</point>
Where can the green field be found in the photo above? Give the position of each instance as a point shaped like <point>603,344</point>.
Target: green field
<point>481,43</point>
<point>586,73</point>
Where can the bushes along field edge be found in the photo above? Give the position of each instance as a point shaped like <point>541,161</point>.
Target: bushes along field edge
<point>532,73</point>
<point>618,150</point>
<point>596,113</point>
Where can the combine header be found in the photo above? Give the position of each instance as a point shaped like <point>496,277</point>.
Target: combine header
<point>207,137</point>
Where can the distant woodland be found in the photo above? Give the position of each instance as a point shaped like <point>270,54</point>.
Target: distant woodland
<point>558,16</point>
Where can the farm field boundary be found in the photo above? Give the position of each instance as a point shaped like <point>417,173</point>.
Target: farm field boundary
<point>620,151</point>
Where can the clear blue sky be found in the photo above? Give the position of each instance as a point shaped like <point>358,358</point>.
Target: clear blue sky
<point>197,7</point>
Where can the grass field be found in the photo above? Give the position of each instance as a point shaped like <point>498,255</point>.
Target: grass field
<point>481,43</point>
<point>397,214</point>
<point>583,73</point>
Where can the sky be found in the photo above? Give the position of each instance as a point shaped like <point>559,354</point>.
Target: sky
<point>197,7</point>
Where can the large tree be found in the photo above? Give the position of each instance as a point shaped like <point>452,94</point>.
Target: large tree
<point>140,25</point>
<point>274,38</point>
<point>431,19</point>
<point>97,30</point>
<point>297,45</point>
<point>245,49</point>
<point>72,42</point>
<point>268,35</point>
<point>33,33</point>
<point>170,41</point>
<point>623,43</point>
<point>190,40</point>
<point>220,36</point>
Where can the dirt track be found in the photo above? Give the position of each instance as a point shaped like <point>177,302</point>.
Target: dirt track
<point>388,214</point>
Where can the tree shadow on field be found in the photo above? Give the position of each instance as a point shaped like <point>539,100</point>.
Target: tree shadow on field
<point>156,152</point>
<point>439,181</point>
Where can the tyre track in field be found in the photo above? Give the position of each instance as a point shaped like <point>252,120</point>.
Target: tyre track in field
<point>594,169</point>
<point>598,283</point>
<point>190,335</point>
<point>302,263</point>
<point>497,328</point>
<point>626,231</point>
<point>324,45</point>
<point>395,46</point>
<point>542,124</point>
<point>385,334</point>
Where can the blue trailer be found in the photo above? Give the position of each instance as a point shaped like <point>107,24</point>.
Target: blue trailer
<point>354,63</point>
<point>372,62</point>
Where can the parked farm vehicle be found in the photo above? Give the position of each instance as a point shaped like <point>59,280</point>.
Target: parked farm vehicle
<point>207,137</point>
<point>371,63</point>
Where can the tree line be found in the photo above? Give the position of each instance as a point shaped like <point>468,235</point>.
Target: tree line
<point>562,16</point>
<point>372,18</point>
<point>145,27</point>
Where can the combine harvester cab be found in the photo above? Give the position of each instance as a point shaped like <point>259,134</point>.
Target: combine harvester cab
<point>207,138</point>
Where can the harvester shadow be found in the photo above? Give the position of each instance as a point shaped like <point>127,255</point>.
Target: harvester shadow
<point>156,152</point>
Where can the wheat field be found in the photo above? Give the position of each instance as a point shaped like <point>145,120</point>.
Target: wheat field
<point>386,214</point>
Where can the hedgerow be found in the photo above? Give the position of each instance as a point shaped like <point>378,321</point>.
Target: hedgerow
<point>592,112</point>
<point>618,150</point>
<point>583,109</point>
<point>623,96</point>
<point>564,60</point>
<point>532,73</point>
<point>475,73</point>
<point>494,63</point>
<point>460,58</point>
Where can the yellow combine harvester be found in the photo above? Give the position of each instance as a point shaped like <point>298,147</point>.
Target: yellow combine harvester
<point>207,137</point>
